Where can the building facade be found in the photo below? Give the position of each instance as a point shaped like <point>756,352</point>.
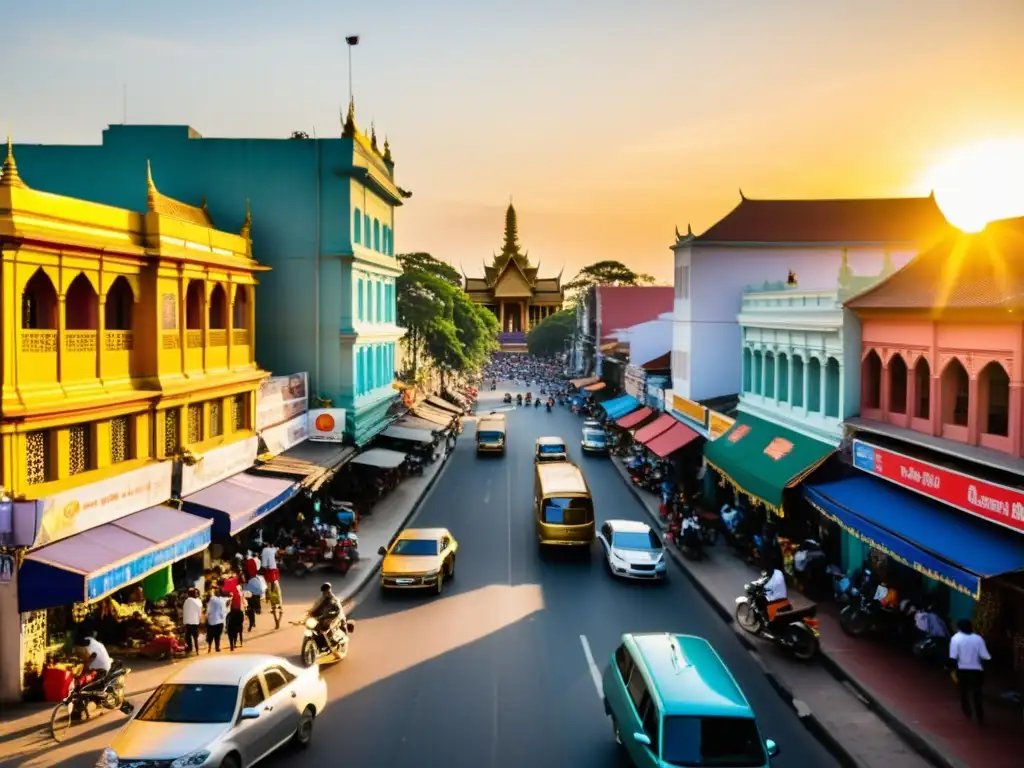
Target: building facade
<point>799,242</point>
<point>512,290</point>
<point>605,311</point>
<point>324,213</point>
<point>128,343</point>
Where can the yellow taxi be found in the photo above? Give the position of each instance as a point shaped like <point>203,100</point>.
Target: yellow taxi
<point>419,558</point>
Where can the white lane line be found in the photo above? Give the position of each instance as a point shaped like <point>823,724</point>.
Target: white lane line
<point>595,673</point>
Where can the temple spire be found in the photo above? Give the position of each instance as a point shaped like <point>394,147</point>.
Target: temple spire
<point>511,245</point>
<point>151,193</point>
<point>387,151</point>
<point>10,177</point>
<point>348,129</point>
<point>247,224</point>
<point>373,135</point>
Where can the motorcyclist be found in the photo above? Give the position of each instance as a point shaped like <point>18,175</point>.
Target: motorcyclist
<point>519,399</point>
<point>536,403</point>
<point>328,612</point>
<point>775,593</point>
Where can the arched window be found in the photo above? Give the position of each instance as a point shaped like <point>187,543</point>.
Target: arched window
<point>376,235</point>
<point>922,389</point>
<point>995,395</point>
<point>871,380</point>
<point>956,397</point>
<point>360,309</point>
<point>240,316</point>
<point>796,386</point>
<point>357,227</point>
<point>814,385</point>
<point>117,312</point>
<point>758,379</point>
<point>367,229</point>
<point>39,303</point>
<point>769,374</point>
<point>832,385</point>
<point>748,361</point>
<point>194,305</point>
<point>783,365</point>
<point>897,384</point>
<point>80,305</point>
<point>218,308</point>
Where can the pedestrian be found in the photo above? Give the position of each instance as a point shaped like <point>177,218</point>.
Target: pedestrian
<point>274,599</point>
<point>251,566</point>
<point>268,562</point>
<point>256,587</point>
<point>215,609</point>
<point>236,618</point>
<point>191,614</point>
<point>967,651</point>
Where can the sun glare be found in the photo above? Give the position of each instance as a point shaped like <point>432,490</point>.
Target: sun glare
<point>980,183</point>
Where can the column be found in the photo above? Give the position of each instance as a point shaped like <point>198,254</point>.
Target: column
<point>775,375</point>
<point>501,315</point>
<point>764,372</point>
<point>821,389</point>
<point>935,404</point>
<point>61,328</point>
<point>251,308</point>
<point>883,399</point>
<point>911,394</point>
<point>789,377</point>
<point>973,411</point>
<point>522,316</point>
<point>841,402</point>
<point>807,384</point>
<point>101,329</point>
<point>1016,400</point>
<point>231,321</point>
<point>182,320</point>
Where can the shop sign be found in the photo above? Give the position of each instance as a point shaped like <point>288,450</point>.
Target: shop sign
<point>213,466</point>
<point>88,506</point>
<point>718,424</point>
<point>282,437</point>
<point>102,584</point>
<point>989,501</point>
<point>327,425</point>
<point>280,399</point>
<point>693,412</point>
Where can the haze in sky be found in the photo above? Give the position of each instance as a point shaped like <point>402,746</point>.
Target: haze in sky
<point>610,122</point>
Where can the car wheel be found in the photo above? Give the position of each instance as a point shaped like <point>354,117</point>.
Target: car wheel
<point>440,581</point>
<point>451,567</point>
<point>304,730</point>
<point>231,761</point>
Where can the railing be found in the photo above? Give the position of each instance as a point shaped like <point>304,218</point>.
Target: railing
<point>240,337</point>
<point>218,338</point>
<point>118,341</point>
<point>80,341</point>
<point>194,339</point>
<point>38,341</point>
<point>172,340</point>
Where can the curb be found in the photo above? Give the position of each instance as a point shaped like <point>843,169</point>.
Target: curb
<point>803,712</point>
<point>353,599</point>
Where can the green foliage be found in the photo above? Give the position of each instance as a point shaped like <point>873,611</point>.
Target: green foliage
<point>442,323</point>
<point>548,337</point>
<point>604,273</point>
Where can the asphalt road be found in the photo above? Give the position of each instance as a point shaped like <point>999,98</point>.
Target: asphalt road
<point>496,672</point>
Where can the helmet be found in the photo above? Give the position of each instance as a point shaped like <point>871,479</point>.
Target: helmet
<point>325,587</point>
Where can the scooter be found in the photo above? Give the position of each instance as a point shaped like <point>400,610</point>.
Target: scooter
<point>316,643</point>
<point>105,693</point>
<point>796,630</point>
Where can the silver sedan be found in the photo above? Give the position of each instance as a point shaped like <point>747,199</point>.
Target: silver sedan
<point>224,712</point>
<point>633,550</point>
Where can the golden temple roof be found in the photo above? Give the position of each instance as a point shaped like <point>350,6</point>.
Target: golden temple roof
<point>168,206</point>
<point>10,176</point>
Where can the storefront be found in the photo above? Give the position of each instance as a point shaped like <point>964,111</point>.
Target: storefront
<point>655,388</point>
<point>656,428</point>
<point>636,382</point>
<point>238,502</point>
<point>635,419</point>
<point>311,464</point>
<point>619,406</point>
<point>707,422</point>
<point>760,460</point>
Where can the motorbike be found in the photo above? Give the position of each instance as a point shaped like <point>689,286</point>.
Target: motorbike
<point>794,630</point>
<point>529,398</point>
<point>299,560</point>
<point>536,403</point>
<point>317,643</point>
<point>507,398</point>
<point>866,615</point>
<point>519,400</point>
<point>105,693</point>
<point>548,408</point>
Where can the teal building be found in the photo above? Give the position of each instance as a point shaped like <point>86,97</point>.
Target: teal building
<point>323,219</point>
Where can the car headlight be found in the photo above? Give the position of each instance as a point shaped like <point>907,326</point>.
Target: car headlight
<point>311,623</point>
<point>191,759</point>
<point>431,574</point>
<point>107,759</point>
<point>618,557</point>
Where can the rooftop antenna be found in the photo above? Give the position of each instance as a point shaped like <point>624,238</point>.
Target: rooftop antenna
<point>314,131</point>
<point>351,41</point>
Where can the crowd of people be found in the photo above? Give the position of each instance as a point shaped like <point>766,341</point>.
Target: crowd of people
<point>524,371</point>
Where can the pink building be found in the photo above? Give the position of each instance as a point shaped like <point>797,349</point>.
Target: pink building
<point>943,345</point>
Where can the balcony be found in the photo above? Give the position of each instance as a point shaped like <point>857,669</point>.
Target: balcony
<point>241,347</point>
<point>194,350</point>
<point>117,353</point>
<point>216,349</point>
<point>80,355</point>
<point>38,360</point>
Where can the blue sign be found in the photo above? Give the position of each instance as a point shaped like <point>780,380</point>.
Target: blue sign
<point>105,582</point>
<point>863,456</point>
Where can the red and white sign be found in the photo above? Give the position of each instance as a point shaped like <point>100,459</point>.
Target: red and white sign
<point>989,501</point>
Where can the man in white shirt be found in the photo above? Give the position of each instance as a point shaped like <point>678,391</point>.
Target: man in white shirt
<point>216,611</point>
<point>191,615</point>
<point>97,658</point>
<point>967,651</point>
<point>268,558</point>
<point>775,593</point>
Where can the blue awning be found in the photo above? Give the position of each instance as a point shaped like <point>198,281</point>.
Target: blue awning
<point>618,407</point>
<point>241,500</point>
<point>949,546</point>
<point>92,564</point>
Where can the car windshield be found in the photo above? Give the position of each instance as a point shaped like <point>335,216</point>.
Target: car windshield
<point>550,449</point>
<point>712,741</point>
<point>415,547</point>
<point>636,540</point>
<point>489,437</point>
<point>594,436</point>
<point>573,511</point>
<point>190,703</point>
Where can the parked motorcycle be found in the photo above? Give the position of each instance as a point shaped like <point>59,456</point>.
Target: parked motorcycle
<point>866,615</point>
<point>105,693</point>
<point>317,643</point>
<point>795,630</point>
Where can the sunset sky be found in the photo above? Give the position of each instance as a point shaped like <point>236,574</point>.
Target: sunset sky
<point>609,122</point>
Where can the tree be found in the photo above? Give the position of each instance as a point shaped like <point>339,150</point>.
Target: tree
<point>427,263</point>
<point>604,273</point>
<point>548,337</point>
<point>299,135</point>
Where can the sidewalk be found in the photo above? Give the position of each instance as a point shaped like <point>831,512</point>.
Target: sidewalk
<point>23,727</point>
<point>862,691</point>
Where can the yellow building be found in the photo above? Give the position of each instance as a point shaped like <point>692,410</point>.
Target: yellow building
<point>127,342</point>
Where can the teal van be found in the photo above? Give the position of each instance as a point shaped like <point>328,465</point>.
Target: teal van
<point>673,702</point>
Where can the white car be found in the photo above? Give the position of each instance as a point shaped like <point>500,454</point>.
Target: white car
<point>633,550</point>
<point>221,712</point>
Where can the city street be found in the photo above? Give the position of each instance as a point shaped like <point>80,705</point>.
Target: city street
<point>504,668</point>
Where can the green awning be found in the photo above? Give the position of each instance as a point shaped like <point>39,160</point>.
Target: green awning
<point>760,459</point>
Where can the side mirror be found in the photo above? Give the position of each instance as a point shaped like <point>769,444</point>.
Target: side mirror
<point>771,747</point>
<point>382,551</point>
<point>350,627</point>
<point>249,713</point>
<point>642,738</point>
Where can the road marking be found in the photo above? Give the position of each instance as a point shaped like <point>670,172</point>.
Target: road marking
<point>595,673</point>
<point>508,511</point>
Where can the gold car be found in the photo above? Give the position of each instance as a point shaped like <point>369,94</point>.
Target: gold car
<point>419,558</point>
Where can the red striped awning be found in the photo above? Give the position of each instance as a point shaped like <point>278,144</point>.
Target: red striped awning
<point>630,420</point>
<point>672,440</point>
<point>657,427</point>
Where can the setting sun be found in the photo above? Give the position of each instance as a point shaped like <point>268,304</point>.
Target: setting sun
<point>981,182</point>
